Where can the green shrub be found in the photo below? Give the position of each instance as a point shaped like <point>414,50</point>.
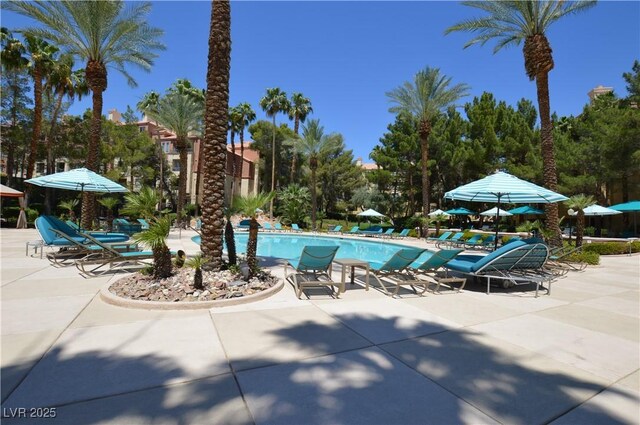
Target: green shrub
<point>592,258</point>
<point>611,248</point>
<point>413,233</point>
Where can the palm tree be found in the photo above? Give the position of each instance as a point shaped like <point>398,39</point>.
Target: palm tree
<point>183,116</point>
<point>229,235</point>
<point>274,102</point>
<point>579,203</point>
<point>235,119</point>
<point>40,58</point>
<point>62,81</point>
<point>70,206</point>
<point>149,102</point>
<point>215,137</point>
<point>196,264</point>
<point>425,98</point>
<point>313,144</point>
<point>109,203</point>
<point>156,239</point>
<point>511,23</point>
<point>141,204</point>
<point>102,33</point>
<point>248,206</point>
<point>247,115</point>
<point>298,112</point>
<point>437,219</point>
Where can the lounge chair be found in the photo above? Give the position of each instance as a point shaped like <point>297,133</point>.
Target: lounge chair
<point>454,240</point>
<point>123,226</point>
<point>395,270</point>
<point>111,257</point>
<point>489,243</point>
<point>295,228</point>
<point>45,223</point>
<point>512,239</point>
<point>336,229</point>
<point>278,227</point>
<point>267,227</point>
<point>404,233</point>
<point>72,224</point>
<point>473,241</point>
<point>434,262</point>
<point>558,260</point>
<point>243,225</point>
<point>145,224</point>
<point>313,268</point>
<point>440,239</point>
<point>516,263</point>
<point>354,230</point>
<point>78,250</point>
<point>388,233</point>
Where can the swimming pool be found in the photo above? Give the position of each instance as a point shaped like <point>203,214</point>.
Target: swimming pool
<point>289,246</point>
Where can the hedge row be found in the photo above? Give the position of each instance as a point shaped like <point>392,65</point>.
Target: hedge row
<point>592,258</point>
<point>611,248</point>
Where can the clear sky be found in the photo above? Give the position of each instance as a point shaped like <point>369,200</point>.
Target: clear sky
<point>344,56</point>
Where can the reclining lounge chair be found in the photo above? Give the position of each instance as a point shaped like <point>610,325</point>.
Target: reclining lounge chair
<point>433,263</point>
<point>516,263</point>
<point>313,268</point>
<point>395,270</point>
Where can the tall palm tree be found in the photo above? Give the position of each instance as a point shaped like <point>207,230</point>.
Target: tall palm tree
<point>61,82</point>
<point>40,57</point>
<point>215,137</point>
<point>274,102</point>
<point>313,144</point>
<point>425,98</point>
<point>510,23</point>
<point>149,102</point>
<point>579,203</point>
<point>183,116</point>
<point>298,112</point>
<point>102,33</point>
<point>249,206</point>
<point>248,116</point>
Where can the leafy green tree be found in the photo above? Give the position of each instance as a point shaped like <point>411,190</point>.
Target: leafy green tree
<point>579,203</point>
<point>132,152</point>
<point>425,98</point>
<point>273,103</point>
<point>312,145</point>
<point>511,23</point>
<point>102,33</point>
<point>129,116</point>
<point>300,108</point>
<point>179,113</point>
<point>156,238</point>
<point>261,133</point>
<point>294,203</point>
<point>248,206</point>
<point>633,83</point>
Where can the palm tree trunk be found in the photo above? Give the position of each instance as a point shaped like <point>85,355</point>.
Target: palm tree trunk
<point>37,120</point>
<point>425,130</point>
<point>241,161</point>
<point>579,228</point>
<point>314,199</point>
<point>273,165</point>
<point>48,194</point>
<point>215,138</point>
<point>296,127</point>
<point>548,156</point>
<point>161,262</point>
<point>233,163</point>
<point>182,177</point>
<point>231,243</point>
<point>96,75</point>
<point>252,248</point>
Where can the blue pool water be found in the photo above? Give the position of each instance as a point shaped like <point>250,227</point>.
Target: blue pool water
<point>290,246</point>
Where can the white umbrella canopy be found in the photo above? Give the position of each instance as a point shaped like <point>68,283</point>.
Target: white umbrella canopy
<point>437,212</point>
<point>80,179</point>
<point>371,213</point>
<point>495,211</point>
<point>596,209</point>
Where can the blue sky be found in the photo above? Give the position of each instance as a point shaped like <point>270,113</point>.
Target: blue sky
<point>344,56</point>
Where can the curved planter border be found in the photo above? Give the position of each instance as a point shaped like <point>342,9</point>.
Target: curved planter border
<point>113,299</point>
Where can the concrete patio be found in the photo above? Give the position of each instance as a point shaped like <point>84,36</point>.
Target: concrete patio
<point>569,358</point>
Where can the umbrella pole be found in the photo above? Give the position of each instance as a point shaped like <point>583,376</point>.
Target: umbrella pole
<point>495,245</point>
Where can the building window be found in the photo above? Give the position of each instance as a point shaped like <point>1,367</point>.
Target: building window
<point>59,167</point>
<point>176,165</point>
<point>142,129</point>
<point>165,147</point>
<point>40,167</point>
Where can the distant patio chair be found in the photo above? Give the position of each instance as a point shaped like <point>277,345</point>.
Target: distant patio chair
<point>267,227</point>
<point>336,229</point>
<point>395,270</point>
<point>278,227</point>
<point>144,223</point>
<point>455,239</point>
<point>388,233</point>
<point>443,237</point>
<point>354,230</point>
<point>433,263</point>
<point>404,233</point>
<point>295,227</point>
<point>313,268</point>
<point>473,241</point>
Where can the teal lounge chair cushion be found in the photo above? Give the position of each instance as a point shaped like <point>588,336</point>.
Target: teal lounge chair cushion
<point>474,263</point>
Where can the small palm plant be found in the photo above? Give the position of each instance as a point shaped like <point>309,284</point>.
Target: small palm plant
<point>248,205</point>
<point>196,264</point>
<point>141,204</point>
<point>155,238</point>
<point>437,219</point>
<point>69,206</point>
<point>109,203</point>
<point>579,203</point>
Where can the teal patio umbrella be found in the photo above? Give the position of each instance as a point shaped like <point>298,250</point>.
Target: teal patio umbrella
<point>502,187</point>
<point>629,207</point>
<point>459,211</point>
<point>80,179</point>
<point>526,210</point>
